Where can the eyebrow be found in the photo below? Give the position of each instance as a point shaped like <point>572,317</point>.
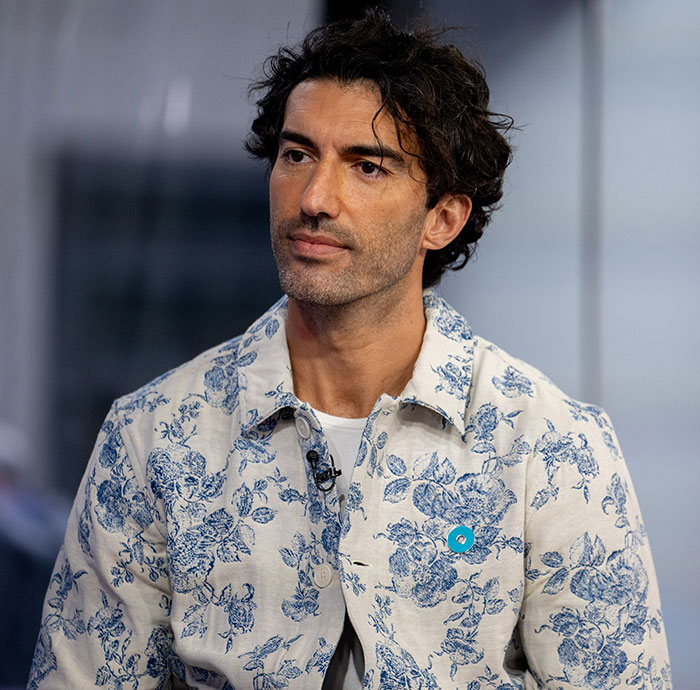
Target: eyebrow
<point>382,152</point>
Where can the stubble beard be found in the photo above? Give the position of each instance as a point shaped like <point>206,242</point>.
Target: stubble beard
<point>371,270</point>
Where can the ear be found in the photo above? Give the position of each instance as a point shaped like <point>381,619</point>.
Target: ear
<point>446,220</point>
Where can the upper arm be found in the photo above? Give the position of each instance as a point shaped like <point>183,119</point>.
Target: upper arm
<point>590,614</point>
<point>106,612</point>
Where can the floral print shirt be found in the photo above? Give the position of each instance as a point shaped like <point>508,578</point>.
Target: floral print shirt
<point>200,552</point>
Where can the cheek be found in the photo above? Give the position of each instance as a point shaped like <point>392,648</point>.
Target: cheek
<point>274,186</point>
<point>285,193</point>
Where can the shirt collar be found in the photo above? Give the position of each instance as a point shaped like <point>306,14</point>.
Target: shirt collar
<point>441,376</point>
<point>443,371</point>
<point>264,368</point>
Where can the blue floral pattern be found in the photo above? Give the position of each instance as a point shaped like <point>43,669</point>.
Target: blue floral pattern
<point>194,549</point>
<point>611,590</point>
<point>512,383</point>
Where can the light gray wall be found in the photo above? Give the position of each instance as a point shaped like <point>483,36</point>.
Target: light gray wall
<point>521,291</point>
<point>651,287</point>
<point>530,285</point>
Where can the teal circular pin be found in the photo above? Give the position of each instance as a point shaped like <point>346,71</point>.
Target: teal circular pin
<point>460,539</point>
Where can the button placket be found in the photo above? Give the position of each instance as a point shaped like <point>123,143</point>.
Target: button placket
<point>314,450</point>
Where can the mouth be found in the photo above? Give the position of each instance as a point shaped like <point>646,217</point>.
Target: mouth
<point>315,245</point>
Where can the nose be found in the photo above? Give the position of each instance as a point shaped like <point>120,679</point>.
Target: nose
<point>322,193</point>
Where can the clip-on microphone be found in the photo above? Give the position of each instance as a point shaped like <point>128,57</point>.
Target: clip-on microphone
<point>328,475</point>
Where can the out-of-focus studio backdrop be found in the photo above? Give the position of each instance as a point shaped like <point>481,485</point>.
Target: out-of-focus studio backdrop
<point>134,235</point>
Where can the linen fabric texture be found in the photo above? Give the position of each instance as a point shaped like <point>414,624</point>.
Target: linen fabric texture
<point>200,553</point>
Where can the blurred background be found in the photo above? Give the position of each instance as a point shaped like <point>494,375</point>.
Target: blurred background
<point>133,235</point>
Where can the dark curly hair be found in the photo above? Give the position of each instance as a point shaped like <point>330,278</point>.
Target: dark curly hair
<point>429,88</point>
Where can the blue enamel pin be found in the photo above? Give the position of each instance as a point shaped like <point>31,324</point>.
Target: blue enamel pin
<point>460,539</point>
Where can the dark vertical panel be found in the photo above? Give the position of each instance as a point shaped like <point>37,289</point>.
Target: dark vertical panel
<point>339,10</point>
<point>401,11</point>
<point>157,261</point>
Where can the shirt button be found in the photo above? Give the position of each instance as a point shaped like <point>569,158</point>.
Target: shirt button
<point>303,428</point>
<point>322,575</point>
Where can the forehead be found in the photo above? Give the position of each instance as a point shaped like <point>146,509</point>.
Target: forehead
<point>329,108</point>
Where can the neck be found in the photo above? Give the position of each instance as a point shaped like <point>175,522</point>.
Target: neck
<point>344,357</point>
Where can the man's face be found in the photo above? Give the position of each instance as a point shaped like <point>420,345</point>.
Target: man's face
<point>345,223</point>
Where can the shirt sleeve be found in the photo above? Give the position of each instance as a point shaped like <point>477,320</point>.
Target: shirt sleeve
<point>591,614</point>
<point>105,620</point>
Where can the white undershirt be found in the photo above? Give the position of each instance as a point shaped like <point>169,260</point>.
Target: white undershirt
<point>343,435</point>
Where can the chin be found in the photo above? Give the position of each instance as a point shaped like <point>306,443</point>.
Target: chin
<point>323,297</point>
<point>325,293</point>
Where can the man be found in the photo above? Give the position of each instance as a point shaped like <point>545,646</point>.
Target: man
<point>358,459</point>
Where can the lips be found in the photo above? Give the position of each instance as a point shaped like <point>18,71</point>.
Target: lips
<point>307,238</point>
<point>315,245</point>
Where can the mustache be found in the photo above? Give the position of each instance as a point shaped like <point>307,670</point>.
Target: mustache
<point>313,224</point>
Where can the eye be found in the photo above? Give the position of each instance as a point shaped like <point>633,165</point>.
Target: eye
<point>370,169</point>
<point>294,155</point>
